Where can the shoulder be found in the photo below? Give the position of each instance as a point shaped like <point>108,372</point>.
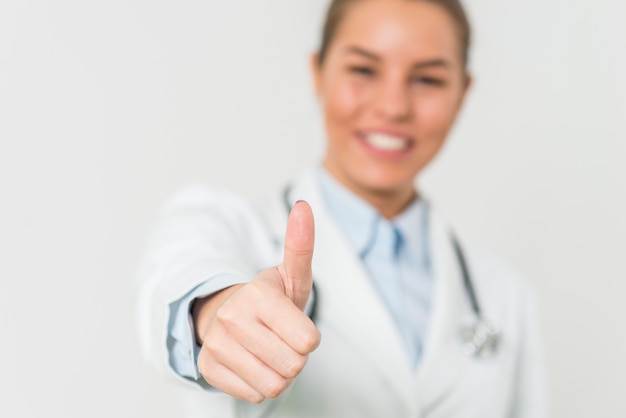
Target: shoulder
<point>217,214</point>
<point>200,196</point>
<point>202,201</point>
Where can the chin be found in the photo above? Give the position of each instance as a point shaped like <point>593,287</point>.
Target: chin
<point>384,180</point>
<point>387,183</point>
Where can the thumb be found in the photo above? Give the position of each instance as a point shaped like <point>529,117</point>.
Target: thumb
<point>296,267</point>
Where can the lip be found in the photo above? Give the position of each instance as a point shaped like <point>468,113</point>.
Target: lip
<point>361,133</point>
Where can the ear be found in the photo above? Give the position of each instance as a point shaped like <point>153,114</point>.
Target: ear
<point>316,73</point>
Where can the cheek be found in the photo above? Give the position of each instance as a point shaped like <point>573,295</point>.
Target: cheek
<point>343,102</point>
<point>434,115</point>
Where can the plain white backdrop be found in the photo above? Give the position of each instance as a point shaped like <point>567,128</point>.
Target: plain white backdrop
<point>107,107</point>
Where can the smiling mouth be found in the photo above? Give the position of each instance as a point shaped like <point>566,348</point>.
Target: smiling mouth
<point>385,142</point>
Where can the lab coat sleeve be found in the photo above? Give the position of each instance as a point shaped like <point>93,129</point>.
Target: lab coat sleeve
<point>532,396</point>
<point>181,340</point>
<point>201,234</point>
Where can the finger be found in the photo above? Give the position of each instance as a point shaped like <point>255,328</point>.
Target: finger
<point>225,380</point>
<point>249,368</point>
<point>296,267</point>
<point>289,323</point>
<point>271,349</point>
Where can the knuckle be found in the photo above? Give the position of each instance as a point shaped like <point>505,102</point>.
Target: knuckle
<point>208,371</point>
<point>242,392</point>
<point>274,388</point>
<point>211,345</point>
<point>225,315</point>
<point>294,367</point>
<point>255,398</point>
<point>215,348</point>
<point>309,341</point>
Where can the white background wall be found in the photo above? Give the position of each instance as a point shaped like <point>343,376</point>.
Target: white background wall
<point>108,107</point>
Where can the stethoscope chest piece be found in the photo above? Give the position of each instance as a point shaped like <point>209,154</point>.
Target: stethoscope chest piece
<point>481,339</point>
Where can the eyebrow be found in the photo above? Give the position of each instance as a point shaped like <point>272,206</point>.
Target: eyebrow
<point>436,62</point>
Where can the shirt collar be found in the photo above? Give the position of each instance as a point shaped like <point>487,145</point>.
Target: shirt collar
<point>359,220</point>
<point>355,217</point>
<point>412,224</point>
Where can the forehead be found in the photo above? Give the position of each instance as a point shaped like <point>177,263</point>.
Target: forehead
<point>400,29</point>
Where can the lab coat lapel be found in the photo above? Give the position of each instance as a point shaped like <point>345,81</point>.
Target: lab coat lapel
<point>443,363</point>
<point>348,300</point>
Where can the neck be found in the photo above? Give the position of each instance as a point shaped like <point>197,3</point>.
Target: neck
<point>389,203</point>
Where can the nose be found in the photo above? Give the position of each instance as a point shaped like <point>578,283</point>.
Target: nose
<point>392,100</point>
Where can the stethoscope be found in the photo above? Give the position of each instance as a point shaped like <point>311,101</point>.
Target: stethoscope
<point>481,339</point>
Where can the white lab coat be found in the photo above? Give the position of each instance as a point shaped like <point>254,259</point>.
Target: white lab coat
<point>360,368</point>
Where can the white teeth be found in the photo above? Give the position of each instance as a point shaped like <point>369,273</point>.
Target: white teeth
<point>387,142</point>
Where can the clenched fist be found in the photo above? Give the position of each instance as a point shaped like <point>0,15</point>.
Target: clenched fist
<point>255,337</point>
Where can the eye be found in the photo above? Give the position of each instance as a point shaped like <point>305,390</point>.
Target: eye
<point>362,70</point>
<point>429,81</point>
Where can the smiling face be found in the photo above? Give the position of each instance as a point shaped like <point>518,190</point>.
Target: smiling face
<point>391,85</point>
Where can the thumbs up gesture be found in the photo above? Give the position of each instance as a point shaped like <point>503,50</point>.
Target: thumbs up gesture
<point>255,337</point>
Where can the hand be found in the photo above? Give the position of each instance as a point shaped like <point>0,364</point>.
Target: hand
<point>256,336</point>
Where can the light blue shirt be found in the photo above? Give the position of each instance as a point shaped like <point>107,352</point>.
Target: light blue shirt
<point>395,254</point>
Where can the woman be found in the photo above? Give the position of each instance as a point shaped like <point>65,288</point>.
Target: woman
<point>394,331</point>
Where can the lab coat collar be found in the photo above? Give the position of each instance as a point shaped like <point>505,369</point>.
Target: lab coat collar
<point>345,292</point>
<point>360,225</point>
<point>444,362</point>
